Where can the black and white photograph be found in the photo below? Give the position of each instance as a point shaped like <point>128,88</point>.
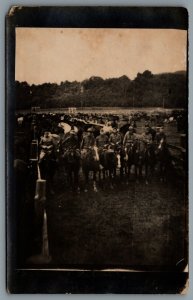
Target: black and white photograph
<point>99,151</point>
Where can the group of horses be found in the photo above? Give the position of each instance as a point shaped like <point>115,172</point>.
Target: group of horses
<point>138,158</point>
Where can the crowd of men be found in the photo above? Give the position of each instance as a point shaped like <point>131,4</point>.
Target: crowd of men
<point>98,129</point>
<point>113,139</point>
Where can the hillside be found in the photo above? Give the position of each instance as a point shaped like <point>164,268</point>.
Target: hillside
<point>146,90</point>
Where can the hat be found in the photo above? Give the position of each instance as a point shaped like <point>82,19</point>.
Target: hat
<point>72,131</point>
<point>90,129</point>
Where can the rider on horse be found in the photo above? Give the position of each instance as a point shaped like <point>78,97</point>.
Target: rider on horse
<point>150,130</point>
<point>102,140</point>
<point>115,138</point>
<point>147,136</point>
<point>70,140</point>
<point>88,139</point>
<point>46,144</point>
<point>129,137</point>
<point>70,143</point>
<point>160,135</point>
<point>46,139</point>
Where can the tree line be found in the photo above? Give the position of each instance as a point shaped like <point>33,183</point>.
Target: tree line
<point>146,90</point>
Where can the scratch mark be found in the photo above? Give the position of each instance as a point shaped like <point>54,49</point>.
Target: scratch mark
<point>13,10</point>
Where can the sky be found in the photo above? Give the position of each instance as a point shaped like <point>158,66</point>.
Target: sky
<point>59,54</point>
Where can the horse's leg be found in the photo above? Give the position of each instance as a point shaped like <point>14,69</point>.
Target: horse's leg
<point>164,172</point>
<point>146,173</point>
<point>99,175</point>
<point>114,172</point>
<point>138,172</point>
<point>70,179</point>
<point>111,178</point>
<point>76,179</point>
<point>86,177</point>
<point>94,182</point>
<point>122,169</point>
<point>128,173</point>
<point>161,171</point>
<point>151,170</point>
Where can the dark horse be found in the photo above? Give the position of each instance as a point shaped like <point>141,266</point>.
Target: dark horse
<point>47,164</point>
<point>111,159</point>
<point>90,163</point>
<point>147,158</point>
<point>133,158</point>
<point>72,159</point>
<point>164,160</point>
<point>140,154</point>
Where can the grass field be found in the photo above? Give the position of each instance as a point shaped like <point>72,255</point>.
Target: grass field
<point>108,110</point>
<point>133,226</point>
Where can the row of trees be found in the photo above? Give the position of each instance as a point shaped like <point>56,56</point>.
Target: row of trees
<point>146,90</point>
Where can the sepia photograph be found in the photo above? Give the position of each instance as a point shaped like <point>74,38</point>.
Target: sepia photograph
<point>100,143</point>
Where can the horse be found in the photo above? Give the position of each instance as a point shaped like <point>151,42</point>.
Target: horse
<point>133,158</point>
<point>111,159</point>
<point>72,162</point>
<point>90,163</point>
<point>47,163</point>
<point>147,158</point>
<point>164,160</point>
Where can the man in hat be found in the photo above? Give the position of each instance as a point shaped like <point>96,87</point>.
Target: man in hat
<point>71,140</point>
<point>149,131</point>
<point>46,141</point>
<point>47,146</point>
<point>129,136</point>
<point>115,138</point>
<point>146,136</point>
<point>160,135</point>
<point>88,139</point>
<point>102,140</point>
<point>71,144</point>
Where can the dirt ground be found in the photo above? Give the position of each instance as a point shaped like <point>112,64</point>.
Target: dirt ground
<point>135,225</point>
